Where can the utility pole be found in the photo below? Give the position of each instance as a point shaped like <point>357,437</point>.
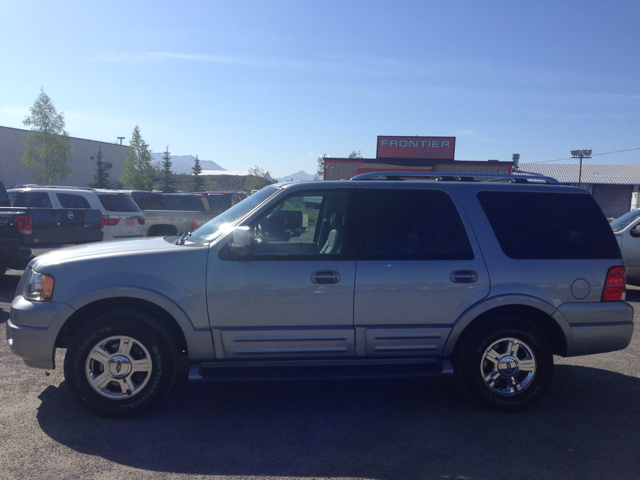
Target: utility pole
<point>581,154</point>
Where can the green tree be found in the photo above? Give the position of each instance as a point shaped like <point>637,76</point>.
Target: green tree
<point>355,154</point>
<point>139,173</point>
<point>101,177</point>
<point>197,182</point>
<point>168,178</point>
<point>47,149</point>
<point>320,171</point>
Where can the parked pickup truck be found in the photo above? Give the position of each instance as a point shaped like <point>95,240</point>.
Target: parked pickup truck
<point>170,213</point>
<point>27,231</point>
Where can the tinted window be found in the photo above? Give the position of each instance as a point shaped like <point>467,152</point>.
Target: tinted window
<point>150,201</point>
<point>184,202</point>
<point>216,202</point>
<point>69,200</point>
<point>32,199</point>
<point>118,203</point>
<point>536,225</point>
<point>417,224</point>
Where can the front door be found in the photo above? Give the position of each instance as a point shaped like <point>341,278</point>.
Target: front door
<point>292,295</point>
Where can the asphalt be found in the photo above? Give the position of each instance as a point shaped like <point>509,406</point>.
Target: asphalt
<point>586,427</point>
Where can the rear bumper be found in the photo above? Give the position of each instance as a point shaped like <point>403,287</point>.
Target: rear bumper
<point>597,327</point>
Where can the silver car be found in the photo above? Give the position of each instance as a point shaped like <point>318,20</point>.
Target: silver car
<point>379,275</point>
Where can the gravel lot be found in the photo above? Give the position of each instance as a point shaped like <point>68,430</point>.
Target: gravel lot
<point>587,426</point>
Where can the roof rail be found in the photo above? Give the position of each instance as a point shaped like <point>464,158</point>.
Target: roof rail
<point>60,186</point>
<point>456,176</point>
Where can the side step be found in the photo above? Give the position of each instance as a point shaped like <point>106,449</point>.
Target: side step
<point>328,369</point>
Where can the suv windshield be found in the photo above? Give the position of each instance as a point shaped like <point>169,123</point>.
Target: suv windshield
<point>622,222</point>
<point>226,220</point>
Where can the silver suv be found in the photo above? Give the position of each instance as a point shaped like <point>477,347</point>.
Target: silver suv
<point>379,275</point>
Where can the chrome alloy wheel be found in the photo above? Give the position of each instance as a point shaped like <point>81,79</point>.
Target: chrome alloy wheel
<point>508,366</point>
<point>118,367</point>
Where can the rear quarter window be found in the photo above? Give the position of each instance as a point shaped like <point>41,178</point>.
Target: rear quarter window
<point>118,203</point>
<point>539,226</point>
<point>69,200</point>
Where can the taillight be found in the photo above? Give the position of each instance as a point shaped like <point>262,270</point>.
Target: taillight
<point>25,224</point>
<point>196,223</point>
<point>141,220</point>
<point>615,286</point>
<point>111,221</point>
<point>101,223</point>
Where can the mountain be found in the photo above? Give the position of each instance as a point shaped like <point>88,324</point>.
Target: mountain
<point>184,163</point>
<point>300,176</point>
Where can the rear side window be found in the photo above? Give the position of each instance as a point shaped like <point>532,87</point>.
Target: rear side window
<point>69,200</point>
<point>33,200</point>
<point>118,203</point>
<point>413,224</point>
<point>184,202</point>
<point>537,226</point>
<point>151,202</point>
<point>216,202</point>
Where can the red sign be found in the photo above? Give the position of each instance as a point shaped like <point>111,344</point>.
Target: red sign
<point>418,148</point>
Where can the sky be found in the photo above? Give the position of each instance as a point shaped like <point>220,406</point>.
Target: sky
<point>277,83</point>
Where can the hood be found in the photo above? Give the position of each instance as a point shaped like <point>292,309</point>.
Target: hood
<point>105,248</point>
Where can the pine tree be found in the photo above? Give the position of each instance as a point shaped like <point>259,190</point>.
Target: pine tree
<point>198,181</point>
<point>101,177</point>
<point>47,149</point>
<point>168,177</point>
<point>139,173</point>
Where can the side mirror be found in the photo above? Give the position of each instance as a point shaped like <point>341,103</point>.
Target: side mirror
<point>635,231</point>
<point>241,243</point>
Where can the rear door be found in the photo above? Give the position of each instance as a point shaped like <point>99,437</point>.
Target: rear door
<point>126,220</point>
<point>419,268</point>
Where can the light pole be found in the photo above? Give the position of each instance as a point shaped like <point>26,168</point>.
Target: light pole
<point>581,154</point>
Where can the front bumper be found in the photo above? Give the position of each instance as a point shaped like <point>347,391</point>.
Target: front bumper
<point>32,331</point>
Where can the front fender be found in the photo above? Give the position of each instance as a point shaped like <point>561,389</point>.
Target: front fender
<point>198,340</point>
<point>501,301</point>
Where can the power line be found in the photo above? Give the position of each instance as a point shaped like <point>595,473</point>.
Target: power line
<point>595,154</point>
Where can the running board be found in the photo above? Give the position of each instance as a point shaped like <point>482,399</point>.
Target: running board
<point>327,369</point>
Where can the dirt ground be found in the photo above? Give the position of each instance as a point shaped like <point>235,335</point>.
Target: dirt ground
<point>586,427</point>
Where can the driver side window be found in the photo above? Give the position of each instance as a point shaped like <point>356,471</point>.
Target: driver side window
<point>302,225</point>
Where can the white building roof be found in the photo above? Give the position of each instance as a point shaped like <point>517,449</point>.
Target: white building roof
<point>591,173</point>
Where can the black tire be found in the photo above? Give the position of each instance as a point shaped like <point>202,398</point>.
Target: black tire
<point>516,379</point>
<point>136,379</point>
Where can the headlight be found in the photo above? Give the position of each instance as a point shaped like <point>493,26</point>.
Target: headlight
<point>38,287</point>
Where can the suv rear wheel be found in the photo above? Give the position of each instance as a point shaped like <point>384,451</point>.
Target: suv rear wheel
<point>120,364</point>
<point>504,365</point>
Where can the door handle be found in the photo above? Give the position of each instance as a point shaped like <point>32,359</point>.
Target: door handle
<point>325,276</point>
<point>464,276</point>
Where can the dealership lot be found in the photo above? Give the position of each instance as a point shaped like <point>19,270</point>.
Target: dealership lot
<point>587,426</point>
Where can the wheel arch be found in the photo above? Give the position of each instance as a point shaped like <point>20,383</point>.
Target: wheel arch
<point>555,329</point>
<point>163,309</point>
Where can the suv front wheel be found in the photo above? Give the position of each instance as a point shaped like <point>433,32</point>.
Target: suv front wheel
<point>505,364</point>
<point>120,364</point>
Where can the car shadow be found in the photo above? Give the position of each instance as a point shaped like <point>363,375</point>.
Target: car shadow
<point>585,426</point>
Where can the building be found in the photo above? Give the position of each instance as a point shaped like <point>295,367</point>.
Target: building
<point>614,187</point>
<point>401,154</point>
<point>13,172</point>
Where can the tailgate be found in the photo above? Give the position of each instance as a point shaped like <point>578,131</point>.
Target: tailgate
<point>64,226</point>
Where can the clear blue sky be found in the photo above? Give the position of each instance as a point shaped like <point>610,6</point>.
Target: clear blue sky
<point>276,83</point>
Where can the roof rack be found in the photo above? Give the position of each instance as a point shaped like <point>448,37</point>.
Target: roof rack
<point>457,177</point>
<point>59,186</point>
